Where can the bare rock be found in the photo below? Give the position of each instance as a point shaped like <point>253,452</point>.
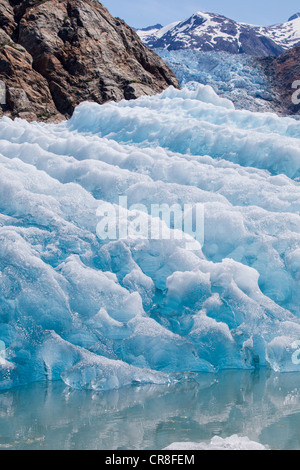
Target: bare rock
<point>61,53</point>
<point>26,90</point>
<point>284,73</point>
<point>7,19</point>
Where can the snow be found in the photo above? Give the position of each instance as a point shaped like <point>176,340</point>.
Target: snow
<point>155,33</point>
<point>166,29</point>
<point>218,443</point>
<point>104,313</point>
<point>286,34</point>
<point>210,26</point>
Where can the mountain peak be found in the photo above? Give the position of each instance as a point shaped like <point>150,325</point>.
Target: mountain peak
<point>150,28</point>
<point>294,17</point>
<point>206,32</point>
<point>203,14</point>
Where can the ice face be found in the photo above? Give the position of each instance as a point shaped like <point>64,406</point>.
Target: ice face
<point>240,78</point>
<point>102,313</point>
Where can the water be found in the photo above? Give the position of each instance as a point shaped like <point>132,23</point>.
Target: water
<point>262,406</point>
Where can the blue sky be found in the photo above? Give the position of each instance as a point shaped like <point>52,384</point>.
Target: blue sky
<point>139,13</point>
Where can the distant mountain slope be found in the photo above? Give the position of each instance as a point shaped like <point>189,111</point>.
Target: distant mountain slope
<point>55,54</point>
<point>286,35</point>
<point>211,32</point>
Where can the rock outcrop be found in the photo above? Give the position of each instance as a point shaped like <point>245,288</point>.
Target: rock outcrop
<point>284,74</point>
<point>55,54</point>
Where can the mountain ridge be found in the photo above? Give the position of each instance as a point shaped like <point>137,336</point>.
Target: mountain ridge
<point>209,31</point>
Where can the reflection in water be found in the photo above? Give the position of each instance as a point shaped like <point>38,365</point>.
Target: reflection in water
<point>262,406</point>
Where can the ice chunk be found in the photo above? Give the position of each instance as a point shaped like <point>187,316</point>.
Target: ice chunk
<point>90,290</point>
<point>218,443</point>
<point>204,93</point>
<point>100,373</point>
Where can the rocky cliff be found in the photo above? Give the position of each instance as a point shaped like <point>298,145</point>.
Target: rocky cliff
<point>55,54</point>
<point>284,75</point>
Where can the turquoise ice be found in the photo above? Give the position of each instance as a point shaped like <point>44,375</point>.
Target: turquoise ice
<point>101,314</point>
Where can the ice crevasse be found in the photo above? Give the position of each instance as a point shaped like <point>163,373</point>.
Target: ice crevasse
<point>105,313</point>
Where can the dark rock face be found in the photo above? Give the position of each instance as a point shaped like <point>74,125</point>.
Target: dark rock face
<point>284,73</point>
<point>55,54</point>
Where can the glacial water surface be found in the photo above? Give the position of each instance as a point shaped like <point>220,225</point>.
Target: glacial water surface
<point>263,406</point>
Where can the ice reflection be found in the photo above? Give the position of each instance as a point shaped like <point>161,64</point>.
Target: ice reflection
<point>262,406</point>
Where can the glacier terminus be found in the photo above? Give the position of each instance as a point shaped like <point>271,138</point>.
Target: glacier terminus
<point>99,313</point>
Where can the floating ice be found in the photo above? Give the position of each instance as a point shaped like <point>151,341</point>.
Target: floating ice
<point>103,313</point>
<point>218,443</point>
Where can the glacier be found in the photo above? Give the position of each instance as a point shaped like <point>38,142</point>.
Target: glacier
<point>101,314</point>
<point>241,78</point>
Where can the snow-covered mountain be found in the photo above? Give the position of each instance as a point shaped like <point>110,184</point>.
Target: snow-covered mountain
<point>149,34</point>
<point>208,32</point>
<point>286,35</point>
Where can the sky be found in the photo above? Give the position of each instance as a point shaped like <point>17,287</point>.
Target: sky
<point>139,13</point>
